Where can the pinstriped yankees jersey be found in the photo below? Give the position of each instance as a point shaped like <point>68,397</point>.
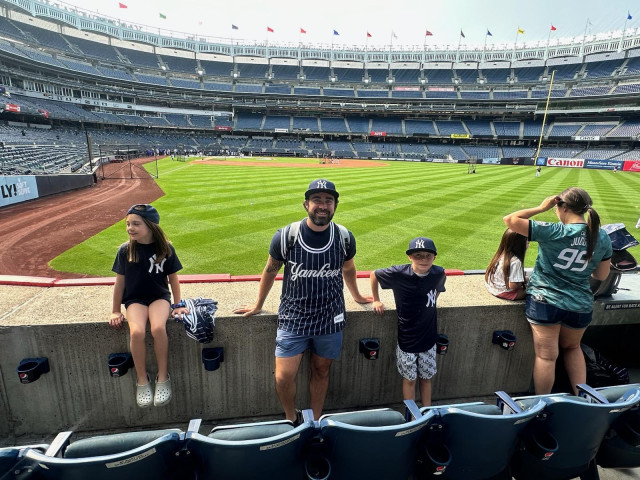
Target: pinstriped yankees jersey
<point>312,300</point>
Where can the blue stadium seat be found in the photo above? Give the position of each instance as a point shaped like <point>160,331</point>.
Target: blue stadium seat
<point>619,449</point>
<point>10,456</point>
<point>146,454</point>
<point>254,450</point>
<point>372,443</point>
<point>481,438</point>
<point>564,443</point>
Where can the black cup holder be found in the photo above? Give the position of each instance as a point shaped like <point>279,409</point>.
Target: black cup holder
<point>212,357</point>
<point>370,348</point>
<point>442,344</point>
<point>542,446</point>
<point>433,459</point>
<point>119,364</point>
<point>505,338</point>
<point>317,467</point>
<point>30,369</point>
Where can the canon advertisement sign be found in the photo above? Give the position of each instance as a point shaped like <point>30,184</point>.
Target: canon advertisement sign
<point>565,162</point>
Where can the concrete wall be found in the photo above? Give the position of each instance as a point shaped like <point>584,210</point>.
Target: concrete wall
<point>69,326</point>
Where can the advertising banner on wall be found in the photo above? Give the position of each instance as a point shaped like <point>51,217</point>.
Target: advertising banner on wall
<point>631,166</point>
<point>541,161</point>
<point>492,161</point>
<point>17,189</point>
<point>603,164</point>
<point>586,138</point>
<point>565,162</point>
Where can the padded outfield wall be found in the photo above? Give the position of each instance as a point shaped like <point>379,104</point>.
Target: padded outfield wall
<point>22,188</point>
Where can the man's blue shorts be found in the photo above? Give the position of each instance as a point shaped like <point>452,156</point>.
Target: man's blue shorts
<point>291,344</point>
<point>540,312</point>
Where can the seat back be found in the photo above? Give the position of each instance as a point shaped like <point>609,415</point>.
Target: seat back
<point>155,459</point>
<point>620,447</point>
<point>372,444</point>
<point>260,450</point>
<point>578,427</point>
<point>480,438</point>
<point>8,459</point>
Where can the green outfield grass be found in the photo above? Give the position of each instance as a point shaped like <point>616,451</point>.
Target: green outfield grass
<point>221,218</point>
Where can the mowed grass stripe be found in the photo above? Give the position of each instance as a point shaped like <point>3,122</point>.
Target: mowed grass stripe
<point>221,218</point>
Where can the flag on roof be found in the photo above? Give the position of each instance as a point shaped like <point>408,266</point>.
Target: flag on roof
<point>302,30</point>
<point>162,16</point>
<point>629,17</point>
<point>269,29</point>
<point>428,34</point>
<point>234,27</point>
<point>122,5</point>
<point>520,31</point>
<point>489,33</point>
<point>369,35</point>
<point>462,34</point>
<point>553,29</point>
<point>335,32</point>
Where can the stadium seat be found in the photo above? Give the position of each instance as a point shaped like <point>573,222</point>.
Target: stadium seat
<point>481,438</point>
<point>254,450</point>
<point>372,443</point>
<point>146,454</point>
<point>564,443</point>
<point>10,456</point>
<point>619,449</point>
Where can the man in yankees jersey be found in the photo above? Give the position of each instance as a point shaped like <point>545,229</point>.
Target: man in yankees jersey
<point>312,311</point>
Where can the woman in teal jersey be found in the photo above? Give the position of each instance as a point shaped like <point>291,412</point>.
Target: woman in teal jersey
<point>559,301</point>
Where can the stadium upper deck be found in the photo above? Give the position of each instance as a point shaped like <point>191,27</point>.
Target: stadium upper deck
<point>96,46</point>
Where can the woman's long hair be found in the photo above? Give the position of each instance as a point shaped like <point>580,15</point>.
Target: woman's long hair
<point>578,201</point>
<point>159,239</point>
<point>511,245</point>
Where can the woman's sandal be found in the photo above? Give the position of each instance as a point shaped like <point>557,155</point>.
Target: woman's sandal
<point>144,394</point>
<point>163,392</point>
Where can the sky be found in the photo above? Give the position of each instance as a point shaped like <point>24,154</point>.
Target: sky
<point>396,22</point>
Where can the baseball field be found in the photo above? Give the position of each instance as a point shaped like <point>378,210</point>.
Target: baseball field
<point>221,214</point>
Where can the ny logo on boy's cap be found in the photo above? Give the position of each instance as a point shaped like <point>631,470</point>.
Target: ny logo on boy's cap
<point>321,184</point>
<point>419,244</point>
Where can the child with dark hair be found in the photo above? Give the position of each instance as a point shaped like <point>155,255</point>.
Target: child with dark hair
<point>145,266</point>
<point>504,277</point>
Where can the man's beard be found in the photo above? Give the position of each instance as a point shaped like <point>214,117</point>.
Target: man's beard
<point>320,222</point>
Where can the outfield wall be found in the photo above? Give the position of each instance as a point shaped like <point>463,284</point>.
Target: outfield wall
<point>68,325</point>
<point>21,188</point>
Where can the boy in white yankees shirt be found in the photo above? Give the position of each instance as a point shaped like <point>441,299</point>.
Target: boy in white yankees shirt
<point>312,311</point>
<point>416,286</point>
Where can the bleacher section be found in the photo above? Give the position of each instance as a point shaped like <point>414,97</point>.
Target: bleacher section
<point>114,89</point>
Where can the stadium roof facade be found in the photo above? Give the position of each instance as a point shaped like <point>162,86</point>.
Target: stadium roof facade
<point>609,45</point>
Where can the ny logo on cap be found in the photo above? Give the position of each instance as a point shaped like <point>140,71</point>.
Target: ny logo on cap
<point>322,184</point>
<point>419,243</point>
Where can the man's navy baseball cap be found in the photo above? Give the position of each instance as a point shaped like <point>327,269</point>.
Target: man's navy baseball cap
<point>146,211</point>
<point>422,244</point>
<point>320,186</point>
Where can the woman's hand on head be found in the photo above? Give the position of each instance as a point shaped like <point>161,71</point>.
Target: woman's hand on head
<point>549,202</point>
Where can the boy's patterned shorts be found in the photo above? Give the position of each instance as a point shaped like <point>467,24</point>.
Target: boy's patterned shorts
<point>412,364</point>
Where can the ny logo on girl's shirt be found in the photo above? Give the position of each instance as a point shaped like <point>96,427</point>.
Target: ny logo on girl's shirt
<point>159,266</point>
